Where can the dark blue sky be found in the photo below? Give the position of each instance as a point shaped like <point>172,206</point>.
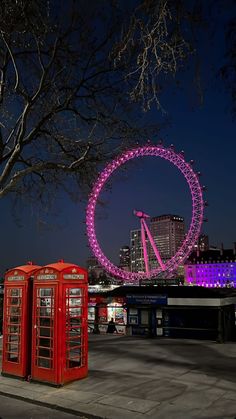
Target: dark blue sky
<point>207,135</point>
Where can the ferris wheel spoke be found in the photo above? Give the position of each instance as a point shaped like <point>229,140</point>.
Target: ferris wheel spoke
<point>145,253</point>
<point>157,254</point>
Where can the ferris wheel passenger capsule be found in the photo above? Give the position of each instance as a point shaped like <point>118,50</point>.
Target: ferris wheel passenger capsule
<point>204,188</point>
<point>191,162</point>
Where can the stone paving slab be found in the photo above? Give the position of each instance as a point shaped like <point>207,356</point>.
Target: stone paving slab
<point>138,378</point>
<point>156,390</point>
<point>76,395</point>
<point>127,403</point>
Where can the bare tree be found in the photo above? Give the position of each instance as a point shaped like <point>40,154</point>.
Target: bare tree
<point>69,77</point>
<point>64,110</point>
<point>161,37</point>
<point>157,39</point>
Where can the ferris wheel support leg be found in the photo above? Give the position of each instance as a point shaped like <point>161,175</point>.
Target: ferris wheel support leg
<point>145,253</point>
<point>157,254</point>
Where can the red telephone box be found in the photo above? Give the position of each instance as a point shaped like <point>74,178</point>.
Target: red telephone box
<point>60,334</point>
<point>17,321</point>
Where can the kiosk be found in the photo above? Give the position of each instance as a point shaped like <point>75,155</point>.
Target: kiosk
<point>17,321</point>
<point>60,329</point>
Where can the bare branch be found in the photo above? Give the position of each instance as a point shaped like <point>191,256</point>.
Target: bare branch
<point>42,167</point>
<point>13,61</point>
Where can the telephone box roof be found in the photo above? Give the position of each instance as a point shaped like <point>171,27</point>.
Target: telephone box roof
<point>61,266</point>
<point>25,268</point>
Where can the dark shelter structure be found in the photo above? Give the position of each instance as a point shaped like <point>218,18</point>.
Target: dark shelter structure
<point>178,312</point>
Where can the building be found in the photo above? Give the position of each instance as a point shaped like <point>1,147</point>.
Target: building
<point>95,270</point>
<point>91,263</point>
<point>203,243</point>
<point>212,268</point>
<point>166,312</point>
<point>125,257</point>
<point>136,252</point>
<point>168,232</point>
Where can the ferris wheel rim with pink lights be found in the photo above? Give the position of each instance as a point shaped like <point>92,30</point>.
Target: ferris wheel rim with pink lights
<point>197,211</point>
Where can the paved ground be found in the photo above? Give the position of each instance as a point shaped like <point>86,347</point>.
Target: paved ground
<point>145,378</point>
<point>12,409</point>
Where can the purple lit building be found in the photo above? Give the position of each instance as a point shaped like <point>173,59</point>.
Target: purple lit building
<point>213,268</point>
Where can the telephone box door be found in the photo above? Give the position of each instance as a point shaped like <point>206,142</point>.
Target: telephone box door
<point>44,337</point>
<point>17,321</point>
<point>14,313</point>
<point>76,329</point>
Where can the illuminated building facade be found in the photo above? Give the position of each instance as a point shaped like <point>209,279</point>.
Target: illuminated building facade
<point>212,269</point>
<point>168,232</point>
<point>125,257</point>
<point>136,251</point>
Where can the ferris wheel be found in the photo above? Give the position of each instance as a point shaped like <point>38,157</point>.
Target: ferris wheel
<point>192,179</point>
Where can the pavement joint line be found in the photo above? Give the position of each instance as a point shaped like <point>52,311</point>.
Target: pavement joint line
<point>52,406</point>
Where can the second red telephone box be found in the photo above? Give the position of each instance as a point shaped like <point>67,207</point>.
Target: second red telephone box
<point>60,334</point>
<point>16,354</point>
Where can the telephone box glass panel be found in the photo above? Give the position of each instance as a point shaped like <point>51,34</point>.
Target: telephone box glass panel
<point>13,322</point>
<point>74,328</point>
<point>44,327</point>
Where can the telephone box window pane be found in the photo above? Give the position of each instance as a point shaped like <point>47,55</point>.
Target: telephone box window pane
<point>44,363</point>
<point>45,292</point>
<point>46,312</point>
<point>45,321</point>
<point>44,352</point>
<point>14,301</point>
<point>74,353</point>
<point>73,322</point>
<point>74,363</point>
<point>13,338</point>
<point>75,301</point>
<point>74,291</point>
<point>75,311</point>
<point>44,302</point>
<point>73,333</point>
<point>15,310</point>
<point>15,292</point>
<point>75,342</point>
<point>14,329</point>
<point>12,357</point>
<point>46,342</point>
<point>14,319</point>
<point>12,347</point>
<point>45,331</point>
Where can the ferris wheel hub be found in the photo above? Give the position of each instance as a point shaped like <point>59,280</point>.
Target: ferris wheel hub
<point>141,214</point>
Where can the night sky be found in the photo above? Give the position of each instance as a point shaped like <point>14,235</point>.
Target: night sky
<point>207,135</point>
